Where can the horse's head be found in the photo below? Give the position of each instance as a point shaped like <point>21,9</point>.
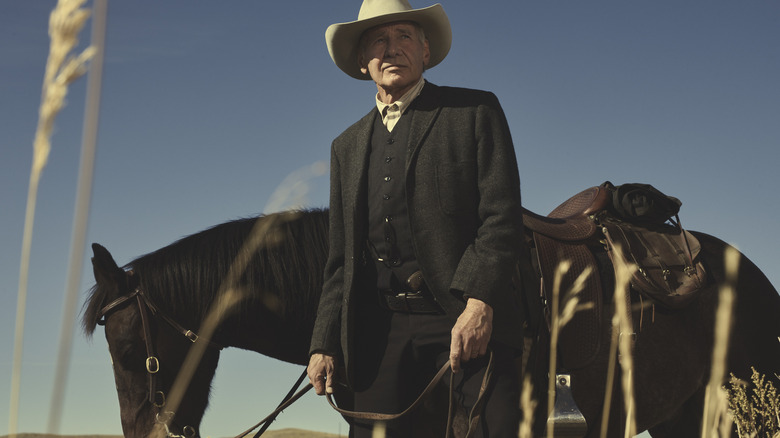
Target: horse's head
<point>147,353</point>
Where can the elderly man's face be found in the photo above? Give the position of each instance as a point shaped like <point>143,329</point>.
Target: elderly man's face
<point>394,57</point>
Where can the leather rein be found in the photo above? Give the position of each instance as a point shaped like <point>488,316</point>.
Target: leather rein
<point>157,397</point>
<point>474,415</point>
<point>146,306</point>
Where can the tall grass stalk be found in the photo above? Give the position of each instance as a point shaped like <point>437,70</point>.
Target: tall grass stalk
<point>622,332</point>
<point>380,430</point>
<point>715,401</point>
<point>229,296</point>
<point>560,270</point>
<point>622,323</point>
<point>527,406</point>
<point>83,196</point>
<point>292,190</point>
<point>559,318</point>
<point>65,23</point>
<point>611,365</point>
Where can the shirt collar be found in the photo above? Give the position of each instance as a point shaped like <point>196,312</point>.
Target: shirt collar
<point>401,104</point>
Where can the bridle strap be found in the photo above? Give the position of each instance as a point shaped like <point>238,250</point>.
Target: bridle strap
<point>287,397</point>
<point>152,363</point>
<point>146,305</point>
<point>291,398</point>
<point>139,293</point>
<point>189,334</point>
<point>165,419</point>
<point>113,305</point>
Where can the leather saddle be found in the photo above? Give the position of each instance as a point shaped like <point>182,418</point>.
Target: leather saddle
<point>570,232</point>
<point>588,231</point>
<point>570,221</point>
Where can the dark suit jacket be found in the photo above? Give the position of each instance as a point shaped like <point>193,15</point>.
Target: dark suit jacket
<point>463,195</point>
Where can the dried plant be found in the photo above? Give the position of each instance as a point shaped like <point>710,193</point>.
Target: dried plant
<point>528,406</point>
<point>755,406</point>
<point>560,316</point>
<point>292,191</point>
<point>62,68</point>
<point>621,350</point>
<point>380,430</point>
<point>715,401</point>
<point>621,322</point>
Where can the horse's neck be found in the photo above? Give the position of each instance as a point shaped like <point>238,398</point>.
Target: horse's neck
<point>263,329</point>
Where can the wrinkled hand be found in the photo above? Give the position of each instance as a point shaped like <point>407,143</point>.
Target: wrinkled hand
<point>321,371</point>
<point>471,333</point>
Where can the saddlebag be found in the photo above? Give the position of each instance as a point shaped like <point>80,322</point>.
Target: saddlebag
<point>642,228</point>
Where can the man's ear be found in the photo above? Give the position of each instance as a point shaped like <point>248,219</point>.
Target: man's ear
<point>363,66</point>
<point>426,53</point>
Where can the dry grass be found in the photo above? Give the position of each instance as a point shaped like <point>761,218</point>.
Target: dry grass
<point>281,433</point>
<point>622,324</point>
<point>561,314</point>
<point>528,406</point>
<point>50,435</point>
<point>62,68</point>
<point>755,406</point>
<point>290,194</point>
<point>715,404</point>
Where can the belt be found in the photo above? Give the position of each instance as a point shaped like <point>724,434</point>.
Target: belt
<point>415,300</point>
<point>410,302</point>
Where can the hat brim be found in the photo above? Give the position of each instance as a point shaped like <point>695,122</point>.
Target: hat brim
<point>343,39</point>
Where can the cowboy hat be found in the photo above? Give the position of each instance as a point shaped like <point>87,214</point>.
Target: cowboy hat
<point>343,38</point>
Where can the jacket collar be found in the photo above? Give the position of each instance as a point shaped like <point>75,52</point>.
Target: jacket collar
<point>426,109</point>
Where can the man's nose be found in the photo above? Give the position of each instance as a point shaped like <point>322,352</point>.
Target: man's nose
<point>392,48</point>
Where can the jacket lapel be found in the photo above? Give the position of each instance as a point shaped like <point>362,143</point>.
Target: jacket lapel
<point>356,182</point>
<point>426,109</point>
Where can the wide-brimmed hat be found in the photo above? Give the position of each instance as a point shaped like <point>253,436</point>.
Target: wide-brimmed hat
<point>343,38</point>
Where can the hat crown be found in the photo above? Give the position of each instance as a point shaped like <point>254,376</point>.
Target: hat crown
<point>343,39</point>
<point>376,8</point>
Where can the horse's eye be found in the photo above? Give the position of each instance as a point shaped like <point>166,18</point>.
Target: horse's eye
<point>128,357</point>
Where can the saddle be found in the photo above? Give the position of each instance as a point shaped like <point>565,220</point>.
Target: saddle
<point>603,226</point>
<point>569,233</point>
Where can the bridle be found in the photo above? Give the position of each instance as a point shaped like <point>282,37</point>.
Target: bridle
<point>146,306</point>
<point>165,418</point>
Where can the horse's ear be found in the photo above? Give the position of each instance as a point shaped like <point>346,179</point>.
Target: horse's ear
<point>104,267</point>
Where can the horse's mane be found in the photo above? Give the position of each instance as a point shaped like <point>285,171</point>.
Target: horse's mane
<point>185,277</point>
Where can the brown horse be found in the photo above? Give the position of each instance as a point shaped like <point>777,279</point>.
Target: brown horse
<point>149,305</point>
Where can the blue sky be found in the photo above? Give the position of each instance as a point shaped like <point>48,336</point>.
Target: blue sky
<point>208,106</point>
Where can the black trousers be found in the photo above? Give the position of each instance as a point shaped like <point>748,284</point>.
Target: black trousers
<point>397,354</point>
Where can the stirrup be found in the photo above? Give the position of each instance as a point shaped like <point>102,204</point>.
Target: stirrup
<point>566,418</point>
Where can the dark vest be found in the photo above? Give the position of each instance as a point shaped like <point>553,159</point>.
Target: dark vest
<point>389,233</point>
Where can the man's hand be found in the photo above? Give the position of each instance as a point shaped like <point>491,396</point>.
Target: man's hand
<point>321,370</point>
<point>471,333</point>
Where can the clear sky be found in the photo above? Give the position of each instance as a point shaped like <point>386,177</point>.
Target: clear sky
<point>208,106</point>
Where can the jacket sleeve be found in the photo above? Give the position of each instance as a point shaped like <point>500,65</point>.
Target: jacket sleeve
<point>327,325</point>
<point>485,268</point>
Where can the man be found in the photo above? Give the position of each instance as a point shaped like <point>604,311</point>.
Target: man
<point>425,230</point>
